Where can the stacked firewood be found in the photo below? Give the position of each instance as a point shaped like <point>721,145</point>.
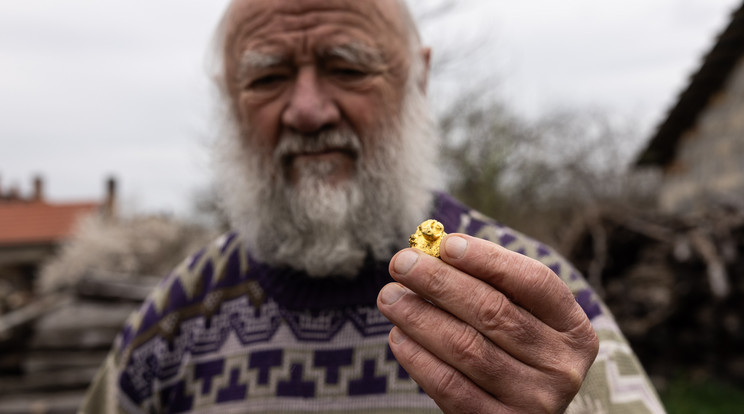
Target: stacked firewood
<point>51,349</point>
<point>674,284</point>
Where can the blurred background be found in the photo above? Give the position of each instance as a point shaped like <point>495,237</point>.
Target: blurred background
<point>613,131</point>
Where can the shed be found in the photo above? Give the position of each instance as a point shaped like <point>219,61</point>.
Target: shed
<point>699,146</point>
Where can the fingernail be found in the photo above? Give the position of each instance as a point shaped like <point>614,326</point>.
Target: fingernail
<point>455,246</point>
<point>391,293</point>
<point>397,336</point>
<point>404,261</point>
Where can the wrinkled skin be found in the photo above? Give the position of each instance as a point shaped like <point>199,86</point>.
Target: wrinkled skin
<point>487,330</point>
<point>297,83</point>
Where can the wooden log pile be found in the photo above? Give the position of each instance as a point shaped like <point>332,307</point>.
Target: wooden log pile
<point>51,348</point>
<point>674,284</point>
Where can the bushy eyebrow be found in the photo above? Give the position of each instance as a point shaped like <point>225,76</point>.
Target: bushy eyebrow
<point>252,60</point>
<point>356,53</point>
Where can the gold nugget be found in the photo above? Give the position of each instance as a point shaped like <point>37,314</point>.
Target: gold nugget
<point>428,237</point>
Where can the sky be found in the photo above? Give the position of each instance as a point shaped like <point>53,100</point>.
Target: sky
<point>91,89</point>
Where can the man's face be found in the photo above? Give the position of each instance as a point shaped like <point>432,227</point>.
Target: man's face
<point>329,155</point>
<point>304,67</point>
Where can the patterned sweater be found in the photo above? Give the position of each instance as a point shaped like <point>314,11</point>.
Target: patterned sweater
<point>224,333</point>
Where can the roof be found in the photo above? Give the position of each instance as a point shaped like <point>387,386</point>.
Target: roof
<point>39,222</point>
<point>710,78</point>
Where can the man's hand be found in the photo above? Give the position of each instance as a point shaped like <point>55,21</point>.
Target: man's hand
<point>487,330</point>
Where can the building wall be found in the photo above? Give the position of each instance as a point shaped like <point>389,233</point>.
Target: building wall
<point>709,165</point>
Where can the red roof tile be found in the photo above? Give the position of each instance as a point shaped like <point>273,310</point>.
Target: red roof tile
<point>39,222</point>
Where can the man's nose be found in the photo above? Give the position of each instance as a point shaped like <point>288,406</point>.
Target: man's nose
<point>311,108</point>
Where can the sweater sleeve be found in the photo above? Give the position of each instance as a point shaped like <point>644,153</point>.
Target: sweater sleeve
<point>101,396</point>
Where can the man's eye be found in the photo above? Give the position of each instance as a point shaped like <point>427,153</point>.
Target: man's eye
<point>267,81</point>
<point>349,73</point>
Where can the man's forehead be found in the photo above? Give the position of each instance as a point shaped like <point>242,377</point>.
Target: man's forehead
<point>262,16</point>
<point>298,6</point>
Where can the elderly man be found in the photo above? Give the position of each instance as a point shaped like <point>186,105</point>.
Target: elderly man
<point>327,163</point>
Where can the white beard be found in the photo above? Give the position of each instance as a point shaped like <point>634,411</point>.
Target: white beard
<point>329,229</point>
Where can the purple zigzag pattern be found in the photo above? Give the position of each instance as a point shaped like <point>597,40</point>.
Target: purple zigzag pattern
<point>161,359</point>
<point>177,297</point>
<point>312,326</point>
<point>369,321</point>
<point>180,395</point>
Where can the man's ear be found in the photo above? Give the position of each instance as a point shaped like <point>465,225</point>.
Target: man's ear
<point>426,59</point>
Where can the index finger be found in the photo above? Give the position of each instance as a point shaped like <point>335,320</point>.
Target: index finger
<point>525,281</point>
